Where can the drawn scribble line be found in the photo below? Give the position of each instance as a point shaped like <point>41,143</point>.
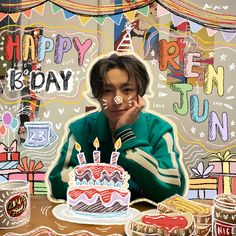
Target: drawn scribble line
<point>186,153</point>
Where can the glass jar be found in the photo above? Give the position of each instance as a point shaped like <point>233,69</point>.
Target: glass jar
<point>14,203</point>
<point>224,215</point>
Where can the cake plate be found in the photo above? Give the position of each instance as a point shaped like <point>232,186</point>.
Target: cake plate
<point>61,212</point>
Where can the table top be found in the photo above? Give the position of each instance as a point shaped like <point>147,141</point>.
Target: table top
<point>43,220</point>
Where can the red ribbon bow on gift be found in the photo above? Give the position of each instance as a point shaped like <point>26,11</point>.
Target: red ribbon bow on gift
<point>11,148</point>
<point>31,167</point>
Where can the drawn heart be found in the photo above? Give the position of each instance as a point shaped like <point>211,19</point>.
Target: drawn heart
<point>225,7</point>
<point>58,126</point>
<point>3,130</point>
<point>169,223</point>
<point>46,114</point>
<point>77,109</point>
<point>61,110</point>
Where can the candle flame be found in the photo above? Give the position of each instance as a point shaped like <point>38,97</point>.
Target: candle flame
<point>118,143</point>
<point>96,143</point>
<point>77,147</point>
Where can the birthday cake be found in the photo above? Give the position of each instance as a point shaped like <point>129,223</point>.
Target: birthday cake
<point>98,189</point>
<point>154,223</point>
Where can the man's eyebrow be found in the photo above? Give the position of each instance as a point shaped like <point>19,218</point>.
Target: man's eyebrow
<point>108,85</point>
<point>126,84</point>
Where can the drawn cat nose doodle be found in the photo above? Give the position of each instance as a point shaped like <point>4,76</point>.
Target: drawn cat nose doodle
<point>118,99</point>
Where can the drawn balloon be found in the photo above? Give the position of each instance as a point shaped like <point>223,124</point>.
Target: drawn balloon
<point>14,124</point>
<point>7,119</point>
<point>3,130</point>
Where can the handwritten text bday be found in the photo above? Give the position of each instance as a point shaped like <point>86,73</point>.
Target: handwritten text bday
<point>32,50</point>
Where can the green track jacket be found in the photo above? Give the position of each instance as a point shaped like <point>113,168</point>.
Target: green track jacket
<point>148,153</point>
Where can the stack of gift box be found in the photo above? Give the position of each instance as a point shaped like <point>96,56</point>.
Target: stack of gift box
<point>14,168</point>
<point>9,160</point>
<point>219,177</point>
<point>224,171</point>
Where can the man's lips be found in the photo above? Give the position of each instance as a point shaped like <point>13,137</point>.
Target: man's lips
<point>118,111</point>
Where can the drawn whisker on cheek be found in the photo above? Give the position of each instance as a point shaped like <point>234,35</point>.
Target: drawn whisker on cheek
<point>130,103</point>
<point>104,100</point>
<point>104,104</point>
<point>129,97</point>
<point>105,108</point>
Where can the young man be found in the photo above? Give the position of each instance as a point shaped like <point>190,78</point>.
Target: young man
<point>148,150</point>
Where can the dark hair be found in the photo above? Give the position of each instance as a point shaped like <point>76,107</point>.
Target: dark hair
<point>129,63</point>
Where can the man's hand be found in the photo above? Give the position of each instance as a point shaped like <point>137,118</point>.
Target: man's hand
<point>132,114</point>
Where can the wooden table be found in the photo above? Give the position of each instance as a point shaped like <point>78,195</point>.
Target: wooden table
<point>41,215</point>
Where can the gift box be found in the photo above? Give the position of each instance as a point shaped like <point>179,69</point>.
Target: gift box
<point>234,185</point>
<point>224,167</point>
<point>40,188</point>
<point>200,188</point>
<point>29,172</point>
<point>9,156</point>
<point>224,170</point>
<point>9,153</point>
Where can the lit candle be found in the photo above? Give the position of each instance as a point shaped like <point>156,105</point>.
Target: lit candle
<point>80,155</point>
<point>96,153</point>
<point>115,154</point>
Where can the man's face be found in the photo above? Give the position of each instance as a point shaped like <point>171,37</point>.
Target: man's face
<point>119,92</point>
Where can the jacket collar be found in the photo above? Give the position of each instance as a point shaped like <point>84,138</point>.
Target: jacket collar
<point>101,129</point>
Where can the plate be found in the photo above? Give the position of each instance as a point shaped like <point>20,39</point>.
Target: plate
<point>61,212</point>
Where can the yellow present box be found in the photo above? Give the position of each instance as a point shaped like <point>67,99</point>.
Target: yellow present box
<point>224,167</point>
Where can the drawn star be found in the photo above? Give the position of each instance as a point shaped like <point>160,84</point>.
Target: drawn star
<point>223,57</point>
<point>4,65</point>
<point>193,130</point>
<point>232,67</point>
<point>2,58</point>
<point>152,53</point>
<point>128,27</point>
<point>154,61</point>
<point>232,123</point>
<point>211,54</point>
<point>48,61</point>
<point>202,134</point>
<point>232,134</point>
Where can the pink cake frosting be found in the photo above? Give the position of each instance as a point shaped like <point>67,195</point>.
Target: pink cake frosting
<point>99,174</point>
<point>98,200</point>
